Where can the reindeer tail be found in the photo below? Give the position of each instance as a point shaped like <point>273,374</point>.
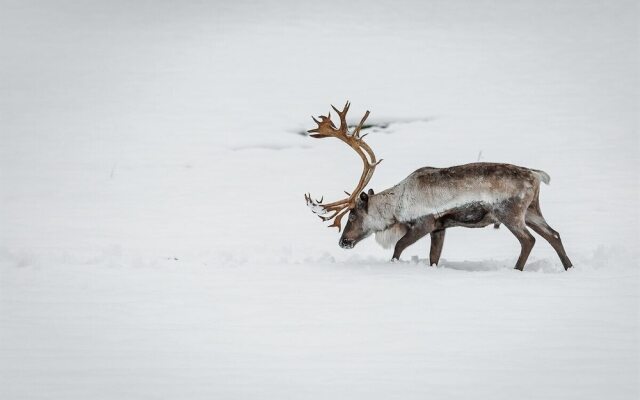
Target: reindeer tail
<point>543,176</point>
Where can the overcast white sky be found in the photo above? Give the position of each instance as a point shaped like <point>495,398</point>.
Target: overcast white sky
<point>72,68</point>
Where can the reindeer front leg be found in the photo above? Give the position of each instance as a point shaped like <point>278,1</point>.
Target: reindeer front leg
<point>416,230</point>
<point>437,240</point>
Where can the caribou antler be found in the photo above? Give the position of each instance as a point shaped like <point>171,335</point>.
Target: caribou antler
<point>326,128</point>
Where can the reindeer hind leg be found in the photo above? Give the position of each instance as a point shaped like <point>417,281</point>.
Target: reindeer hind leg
<point>511,214</point>
<point>526,240</point>
<point>536,221</point>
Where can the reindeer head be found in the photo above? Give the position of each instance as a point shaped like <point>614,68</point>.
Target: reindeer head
<point>357,201</point>
<point>358,224</point>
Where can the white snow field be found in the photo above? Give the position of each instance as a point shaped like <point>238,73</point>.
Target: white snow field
<point>155,243</point>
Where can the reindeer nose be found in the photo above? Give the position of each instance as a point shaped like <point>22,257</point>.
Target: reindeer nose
<point>346,243</point>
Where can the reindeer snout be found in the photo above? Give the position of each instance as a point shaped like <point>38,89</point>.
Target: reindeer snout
<point>346,243</point>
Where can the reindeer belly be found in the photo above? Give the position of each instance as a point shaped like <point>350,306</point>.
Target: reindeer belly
<point>473,215</point>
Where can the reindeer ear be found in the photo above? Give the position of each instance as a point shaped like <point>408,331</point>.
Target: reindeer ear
<point>371,192</point>
<point>364,201</point>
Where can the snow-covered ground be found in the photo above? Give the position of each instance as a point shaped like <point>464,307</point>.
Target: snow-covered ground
<point>154,241</point>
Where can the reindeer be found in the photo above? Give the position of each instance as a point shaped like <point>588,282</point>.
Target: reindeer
<point>431,200</point>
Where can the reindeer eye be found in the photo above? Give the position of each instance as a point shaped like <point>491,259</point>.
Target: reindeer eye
<point>352,217</point>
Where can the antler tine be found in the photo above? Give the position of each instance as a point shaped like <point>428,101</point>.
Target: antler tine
<point>344,128</point>
<point>345,109</point>
<point>356,132</point>
<point>337,222</point>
